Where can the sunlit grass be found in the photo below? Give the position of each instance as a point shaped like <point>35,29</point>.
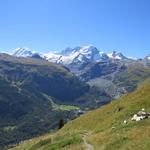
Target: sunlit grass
<point>104,127</point>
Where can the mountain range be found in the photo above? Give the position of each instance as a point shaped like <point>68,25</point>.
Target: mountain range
<point>73,55</point>
<point>93,66</point>
<point>37,90</point>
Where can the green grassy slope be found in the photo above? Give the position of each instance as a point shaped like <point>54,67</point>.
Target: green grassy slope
<point>103,128</point>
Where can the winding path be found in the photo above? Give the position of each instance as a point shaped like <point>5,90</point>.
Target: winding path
<point>87,145</point>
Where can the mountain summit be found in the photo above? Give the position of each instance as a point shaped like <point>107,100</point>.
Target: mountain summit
<point>26,52</point>
<point>23,52</point>
<point>116,55</point>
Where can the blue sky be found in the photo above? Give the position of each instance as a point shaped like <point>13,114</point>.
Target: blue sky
<point>43,25</point>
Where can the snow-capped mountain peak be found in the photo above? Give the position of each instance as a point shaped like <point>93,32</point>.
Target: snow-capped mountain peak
<point>116,55</point>
<point>88,54</point>
<point>26,52</point>
<point>23,52</point>
<point>87,51</point>
<point>78,54</point>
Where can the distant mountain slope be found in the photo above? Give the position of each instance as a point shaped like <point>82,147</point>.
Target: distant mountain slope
<point>92,65</point>
<point>98,68</point>
<point>41,76</point>
<point>115,77</point>
<point>34,94</point>
<point>103,128</point>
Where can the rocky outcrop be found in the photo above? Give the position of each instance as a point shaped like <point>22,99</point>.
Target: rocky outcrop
<point>141,115</point>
